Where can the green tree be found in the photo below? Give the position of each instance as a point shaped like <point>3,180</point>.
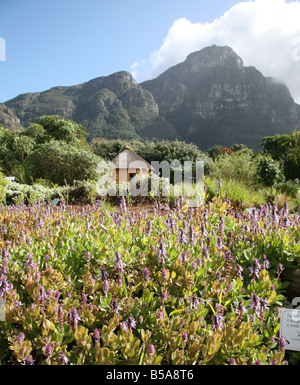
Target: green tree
<point>286,150</point>
<point>49,127</point>
<point>37,132</point>
<point>14,150</point>
<point>215,151</point>
<point>107,149</point>
<point>269,171</point>
<point>59,161</point>
<point>3,184</point>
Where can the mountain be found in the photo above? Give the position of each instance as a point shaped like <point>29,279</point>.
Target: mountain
<point>8,119</point>
<point>113,106</point>
<point>210,98</point>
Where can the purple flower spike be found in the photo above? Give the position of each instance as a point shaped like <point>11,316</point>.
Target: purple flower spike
<point>4,286</point>
<point>30,263</point>
<point>48,350</point>
<point>42,296</point>
<point>239,271</point>
<point>151,349</point>
<point>194,302</point>
<point>123,326</point>
<point>63,359</point>
<point>114,306</point>
<point>146,274</point>
<point>28,361</point>
<point>160,315</point>
<point>161,253</point>
<point>73,317</point>
<point>103,273</point>
<point>20,337</point>
<point>183,258</point>
<point>96,335</point>
<point>105,286</point>
<point>119,263</point>
<point>255,269</point>
<point>184,337</point>
<point>164,296</point>
<point>218,321</point>
<point>131,322</point>
<point>164,274</point>
<point>266,263</point>
<point>279,269</point>
<point>219,244</point>
<point>282,344</point>
<point>181,236</point>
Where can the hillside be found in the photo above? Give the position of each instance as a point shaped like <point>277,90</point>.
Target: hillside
<point>114,106</point>
<point>8,119</point>
<point>210,98</point>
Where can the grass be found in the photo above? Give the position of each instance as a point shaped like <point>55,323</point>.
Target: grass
<point>239,193</point>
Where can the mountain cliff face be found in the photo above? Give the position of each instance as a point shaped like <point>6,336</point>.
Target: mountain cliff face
<point>8,119</point>
<point>114,106</point>
<point>210,98</point>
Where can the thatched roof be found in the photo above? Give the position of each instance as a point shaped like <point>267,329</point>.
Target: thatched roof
<point>129,159</point>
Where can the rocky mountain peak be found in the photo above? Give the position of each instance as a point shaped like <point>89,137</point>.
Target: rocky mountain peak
<point>8,119</point>
<point>213,56</point>
<point>210,98</point>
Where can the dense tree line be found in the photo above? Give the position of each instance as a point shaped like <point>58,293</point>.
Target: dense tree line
<point>286,150</point>
<point>53,148</point>
<point>56,150</point>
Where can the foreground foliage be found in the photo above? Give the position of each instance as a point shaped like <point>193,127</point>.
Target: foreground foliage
<point>173,286</point>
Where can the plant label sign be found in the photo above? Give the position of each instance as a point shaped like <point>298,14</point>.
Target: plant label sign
<point>290,328</point>
<point>2,309</point>
<point>54,202</point>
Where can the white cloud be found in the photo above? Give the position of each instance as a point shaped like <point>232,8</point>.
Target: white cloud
<point>264,33</point>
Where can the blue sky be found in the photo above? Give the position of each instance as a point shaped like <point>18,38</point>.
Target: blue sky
<point>67,42</point>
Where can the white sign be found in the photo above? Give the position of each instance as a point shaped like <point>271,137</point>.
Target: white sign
<point>2,309</point>
<point>55,201</point>
<point>2,49</point>
<point>290,328</point>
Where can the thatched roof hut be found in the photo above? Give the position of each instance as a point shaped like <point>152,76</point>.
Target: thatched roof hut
<point>128,164</point>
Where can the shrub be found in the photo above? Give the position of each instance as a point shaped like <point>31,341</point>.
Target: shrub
<point>17,193</point>
<point>3,184</point>
<point>60,162</point>
<point>269,171</point>
<point>239,166</point>
<point>239,194</point>
<point>289,187</point>
<point>80,192</point>
<point>286,149</point>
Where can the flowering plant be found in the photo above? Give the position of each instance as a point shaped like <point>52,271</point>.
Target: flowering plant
<point>177,285</point>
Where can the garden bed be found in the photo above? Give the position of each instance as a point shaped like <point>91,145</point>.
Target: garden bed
<point>193,286</point>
